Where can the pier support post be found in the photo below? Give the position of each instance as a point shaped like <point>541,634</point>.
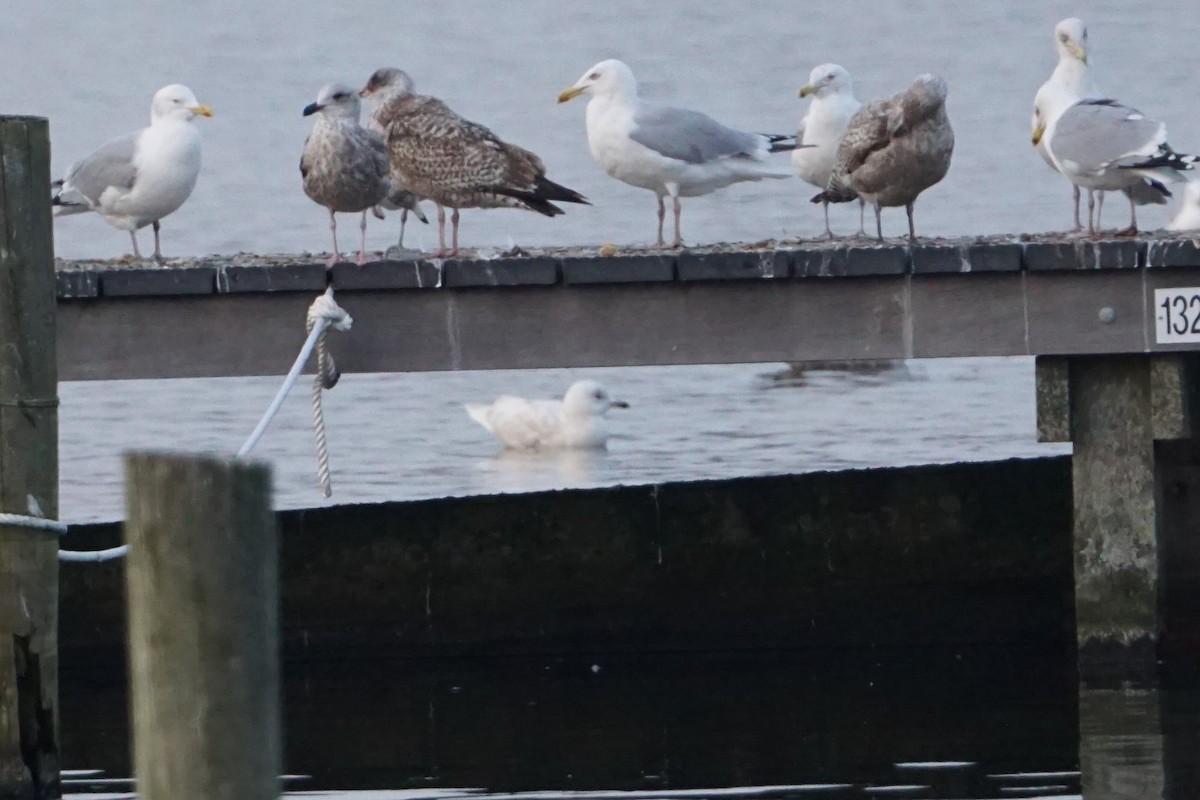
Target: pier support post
<point>29,749</point>
<point>203,594</point>
<point>1132,421</point>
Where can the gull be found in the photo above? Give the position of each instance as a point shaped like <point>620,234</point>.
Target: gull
<point>456,163</point>
<point>1102,144</point>
<point>1071,82</point>
<point>384,85</point>
<point>1187,218</point>
<point>822,127</point>
<point>344,166</point>
<point>672,152</point>
<point>894,149</point>
<point>575,422</point>
<point>137,179</point>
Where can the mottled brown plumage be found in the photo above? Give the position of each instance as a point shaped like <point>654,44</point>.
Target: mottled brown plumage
<point>457,163</point>
<point>894,149</point>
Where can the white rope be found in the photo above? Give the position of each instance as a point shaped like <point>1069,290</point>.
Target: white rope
<point>323,314</point>
<point>324,310</point>
<point>36,523</point>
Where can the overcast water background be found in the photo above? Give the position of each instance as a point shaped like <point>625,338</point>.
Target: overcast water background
<point>92,68</point>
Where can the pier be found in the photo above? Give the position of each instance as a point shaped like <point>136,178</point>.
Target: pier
<point>1114,326</point>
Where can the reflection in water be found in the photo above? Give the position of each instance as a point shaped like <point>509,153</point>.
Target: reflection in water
<point>513,470</point>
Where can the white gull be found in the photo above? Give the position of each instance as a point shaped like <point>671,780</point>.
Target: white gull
<point>576,421</point>
<point>822,127</point>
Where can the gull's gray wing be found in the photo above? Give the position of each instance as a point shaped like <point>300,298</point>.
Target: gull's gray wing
<point>1098,134</point>
<point>690,136</point>
<point>111,165</point>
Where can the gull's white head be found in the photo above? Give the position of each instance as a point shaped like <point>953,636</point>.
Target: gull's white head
<point>335,100</point>
<point>176,102</point>
<point>386,83</point>
<point>827,80</point>
<point>1048,105</point>
<point>589,399</point>
<point>608,78</point>
<point>1071,39</point>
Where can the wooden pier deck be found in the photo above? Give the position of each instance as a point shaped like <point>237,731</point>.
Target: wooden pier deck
<point>727,304</point>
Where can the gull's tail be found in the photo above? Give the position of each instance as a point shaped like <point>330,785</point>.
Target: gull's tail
<point>1148,193</point>
<point>66,200</point>
<point>782,142</point>
<point>478,412</point>
<point>539,196</point>
<point>1166,164</point>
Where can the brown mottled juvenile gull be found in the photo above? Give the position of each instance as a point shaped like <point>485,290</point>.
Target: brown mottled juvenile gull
<point>673,152</point>
<point>457,164</point>
<point>344,166</point>
<point>390,84</point>
<point>894,149</point>
<point>137,179</point>
<point>1104,145</point>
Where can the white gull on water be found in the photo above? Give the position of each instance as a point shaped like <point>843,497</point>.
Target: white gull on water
<point>576,421</point>
<point>672,152</point>
<point>1071,82</point>
<point>137,179</point>
<point>822,127</point>
<point>344,166</point>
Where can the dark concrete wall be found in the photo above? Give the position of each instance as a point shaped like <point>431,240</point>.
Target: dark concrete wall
<point>967,553</point>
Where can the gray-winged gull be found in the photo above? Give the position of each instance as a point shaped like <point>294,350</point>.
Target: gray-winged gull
<point>389,84</point>
<point>894,149</point>
<point>672,152</point>
<point>832,106</point>
<point>137,179</point>
<point>457,164</point>
<point>344,166</point>
<point>1102,144</point>
<point>1187,216</point>
<point>576,421</point>
<point>1071,82</point>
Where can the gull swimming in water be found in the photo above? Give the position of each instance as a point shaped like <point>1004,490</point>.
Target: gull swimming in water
<point>137,179</point>
<point>894,149</point>
<point>575,422</point>
<point>344,166</point>
<point>1102,144</point>
<point>457,164</point>
<point>384,85</point>
<point>1071,82</point>
<point>822,127</point>
<point>672,152</point>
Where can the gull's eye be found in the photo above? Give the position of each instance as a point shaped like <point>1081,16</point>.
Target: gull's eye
<point>595,76</point>
<point>340,96</point>
<point>1064,38</point>
<point>598,395</point>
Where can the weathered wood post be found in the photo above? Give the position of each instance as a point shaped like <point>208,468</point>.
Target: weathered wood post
<point>29,765</point>
<point>1133,422</point>
<point>203,591</point>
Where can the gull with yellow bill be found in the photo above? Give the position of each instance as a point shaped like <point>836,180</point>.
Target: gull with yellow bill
<point>137,179</point>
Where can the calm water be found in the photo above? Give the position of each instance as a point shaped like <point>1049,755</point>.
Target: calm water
<point>92,68</point>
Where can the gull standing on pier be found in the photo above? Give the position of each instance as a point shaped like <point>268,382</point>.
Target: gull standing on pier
<point>458,164</point>
<point>577,421</point>
<point>1071,82</point>
<point>894,149</point>
<point>384,85</point>
<point>672,152</point>
<point>344,166</point>
<point>1187,218</point>
<point>137,179</point>
<point>1101,144</point>
<point>822,127</point>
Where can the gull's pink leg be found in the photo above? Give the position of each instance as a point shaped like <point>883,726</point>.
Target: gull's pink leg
<point>662,213</point>
<point>454,232</point>
<point>441,253</point>
<point>362,245</point>
<point>678,236</point>
<point>333,259</point>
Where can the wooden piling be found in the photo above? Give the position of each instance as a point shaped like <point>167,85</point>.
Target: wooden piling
<point>203,595</point>
<point>29,761</point>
